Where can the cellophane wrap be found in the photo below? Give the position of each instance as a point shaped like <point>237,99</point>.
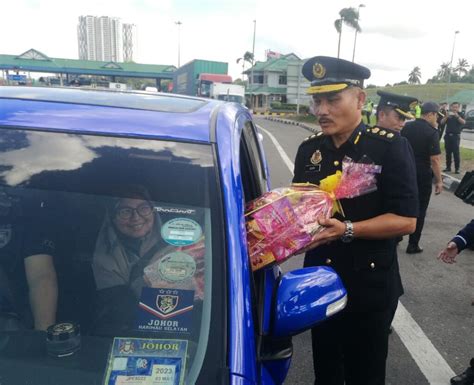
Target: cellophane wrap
<point>284,221</point>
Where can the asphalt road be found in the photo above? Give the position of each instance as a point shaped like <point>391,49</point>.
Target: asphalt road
<point>437,296</point>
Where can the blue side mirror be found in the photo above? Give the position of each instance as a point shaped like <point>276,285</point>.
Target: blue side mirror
<point>306,297</point>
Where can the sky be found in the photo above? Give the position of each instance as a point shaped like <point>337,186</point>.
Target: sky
<point>396,35</point>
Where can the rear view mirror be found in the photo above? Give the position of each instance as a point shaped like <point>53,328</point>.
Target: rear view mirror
<point>306,297</point>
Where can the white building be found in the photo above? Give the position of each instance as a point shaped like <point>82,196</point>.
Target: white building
<point>105,39</point>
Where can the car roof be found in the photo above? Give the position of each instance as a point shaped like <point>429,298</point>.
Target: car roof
<point>135,114</point>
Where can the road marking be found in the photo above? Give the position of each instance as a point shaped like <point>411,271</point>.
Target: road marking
<point>279,148</point>
<point>429,360</point>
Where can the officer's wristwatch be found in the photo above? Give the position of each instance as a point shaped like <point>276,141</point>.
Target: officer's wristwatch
<point>348,235</point>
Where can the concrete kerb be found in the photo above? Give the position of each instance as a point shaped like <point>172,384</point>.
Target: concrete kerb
<point>450,183</point>
<point>293,122</point>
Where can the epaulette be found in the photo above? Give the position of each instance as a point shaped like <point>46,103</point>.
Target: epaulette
<point>380,133</point>
<point>313,137</point>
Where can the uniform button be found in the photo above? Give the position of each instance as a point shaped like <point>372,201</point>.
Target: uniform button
<point>336,163</point>
<point>372,265</point>
<point>328,261</point>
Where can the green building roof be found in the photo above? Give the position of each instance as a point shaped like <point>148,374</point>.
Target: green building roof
<point>256,89</point>
<point>277,65</point>
<point>35,61</point>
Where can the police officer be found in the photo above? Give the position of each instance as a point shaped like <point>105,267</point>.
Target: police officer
<point>454,121</point>
<point>463,239</point>
<point>29,289</point>
<point>393,110</point>
<point>352,346</point>
<point>443,109</point>
<point>423,137</point>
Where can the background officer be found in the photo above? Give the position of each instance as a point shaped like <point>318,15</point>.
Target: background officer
<point>424,140</point>
<point>393,110</point>
<point>352,346</point>
<point>463,239</point>
<point>454,121</point>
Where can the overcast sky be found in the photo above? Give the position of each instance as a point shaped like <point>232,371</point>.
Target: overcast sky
<point>396,35</point>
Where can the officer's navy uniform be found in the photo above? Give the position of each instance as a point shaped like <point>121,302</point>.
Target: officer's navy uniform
<point>463,239</point>
<point>452,139</point>
<point>22,234</point>
<point>352,346</point>
<point>424,140</point>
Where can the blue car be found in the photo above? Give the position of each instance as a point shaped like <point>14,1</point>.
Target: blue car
<point>123,255</point>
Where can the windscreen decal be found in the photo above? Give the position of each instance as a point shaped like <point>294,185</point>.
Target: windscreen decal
<point>181,232</point>
<point>146,361</point>
<point>165,310</point>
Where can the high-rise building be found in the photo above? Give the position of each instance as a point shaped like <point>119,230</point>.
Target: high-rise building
<point>105,39</point>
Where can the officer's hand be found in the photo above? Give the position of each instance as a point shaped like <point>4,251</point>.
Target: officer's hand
<point>332,230</point>
<point>448,255</point>
<point>438,188</point>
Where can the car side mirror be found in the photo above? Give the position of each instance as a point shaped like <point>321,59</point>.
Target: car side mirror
<point>305,297</point>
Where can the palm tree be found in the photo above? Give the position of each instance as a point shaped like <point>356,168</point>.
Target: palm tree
<point>350,17</point>
<point>444,71</point>
<point>414,76</point>
<point>248,57</point>
<point>462,67</point>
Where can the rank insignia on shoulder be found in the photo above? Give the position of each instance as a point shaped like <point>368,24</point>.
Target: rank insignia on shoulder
<point>316,158</point>
<point>390,135</point>
<point>382,133</point>
<point>375,130</point>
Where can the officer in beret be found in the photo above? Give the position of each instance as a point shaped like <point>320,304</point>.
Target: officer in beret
<point>351,347</point>
<point>393,110</point>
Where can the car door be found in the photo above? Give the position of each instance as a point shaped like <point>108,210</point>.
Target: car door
<point>273,356</point>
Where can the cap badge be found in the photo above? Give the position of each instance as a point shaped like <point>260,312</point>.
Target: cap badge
<point>413,105</point>
<point>318,70</point>
<point>316,158</point>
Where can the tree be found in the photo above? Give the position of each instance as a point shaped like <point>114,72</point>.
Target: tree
<point>443,72</point>
<point>462,68</point>
<point>350,17</point>
<point>248,57</point>
<point>414,77</point>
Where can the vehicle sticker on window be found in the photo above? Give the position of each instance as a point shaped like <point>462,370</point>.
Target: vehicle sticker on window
<point>176,267</point>
<point>181,231</point>
<point>165,310</point>
<point>146,361</point>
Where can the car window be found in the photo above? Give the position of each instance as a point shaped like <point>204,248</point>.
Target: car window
<point>117,242</point>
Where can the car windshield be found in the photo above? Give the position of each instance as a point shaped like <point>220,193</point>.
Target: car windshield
<point>114,242</point>
<point>231,98</point>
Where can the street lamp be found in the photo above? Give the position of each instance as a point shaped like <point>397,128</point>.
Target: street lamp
<point>253,62</point>
<point>178,23</point>
<point>355,35</point>
<point>451,65</point>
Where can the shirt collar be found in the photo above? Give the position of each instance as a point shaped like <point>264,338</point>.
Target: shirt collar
<point>351,141</point>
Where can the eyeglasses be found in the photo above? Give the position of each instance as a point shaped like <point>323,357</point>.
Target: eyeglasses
<point>127,212</point>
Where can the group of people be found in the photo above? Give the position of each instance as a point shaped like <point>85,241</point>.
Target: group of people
<point>351,347</point>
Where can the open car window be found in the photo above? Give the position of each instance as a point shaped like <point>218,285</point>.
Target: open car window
<point>116,243</point>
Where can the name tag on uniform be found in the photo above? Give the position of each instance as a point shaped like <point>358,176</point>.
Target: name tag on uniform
<point>310,168</point>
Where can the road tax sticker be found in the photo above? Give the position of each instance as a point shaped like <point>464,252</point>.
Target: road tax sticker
<point>176,267</point>
<point>146,361</point>
<point>165,310</point>
<point>181,232</point>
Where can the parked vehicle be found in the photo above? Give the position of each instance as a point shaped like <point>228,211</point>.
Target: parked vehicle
<point>69,159</point>
<point>228,92</point>
<point>195,77</point>
<point>469,120</point>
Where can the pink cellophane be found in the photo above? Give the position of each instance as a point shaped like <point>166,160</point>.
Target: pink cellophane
<point>283,222</point>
